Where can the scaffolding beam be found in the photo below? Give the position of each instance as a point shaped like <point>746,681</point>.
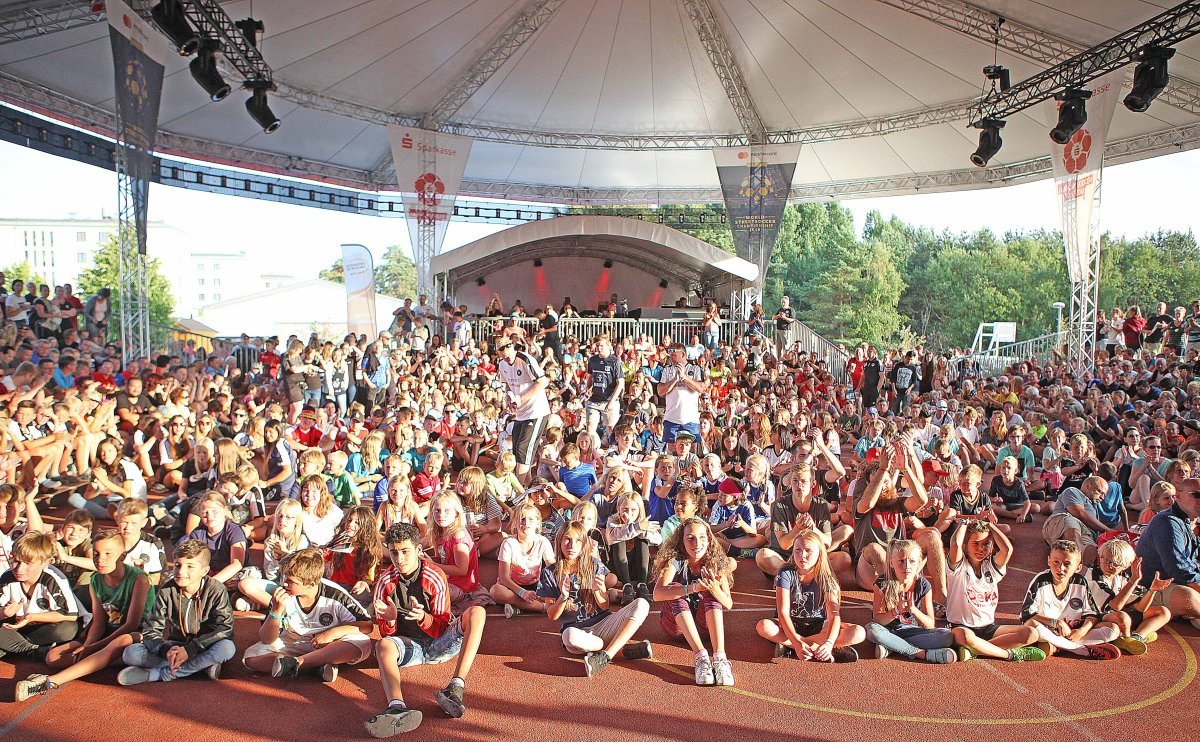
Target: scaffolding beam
<point>24,20</point>
<point>712,38</point>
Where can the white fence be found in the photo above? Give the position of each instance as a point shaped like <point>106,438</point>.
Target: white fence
<point>1042,348</point>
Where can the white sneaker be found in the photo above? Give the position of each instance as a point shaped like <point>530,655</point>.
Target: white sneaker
<point>241,604</point>
<point>511,610</point>
<point>704,670</point>
<point>329,673</point>
<point>133,676</point>
<point>1195,622</point>
<point>723,672</point>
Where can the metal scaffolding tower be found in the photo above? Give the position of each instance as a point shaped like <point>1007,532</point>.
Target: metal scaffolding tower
<point>132,289</point>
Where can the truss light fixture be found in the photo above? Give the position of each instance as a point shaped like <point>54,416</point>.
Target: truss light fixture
<point>999,74</point>
<point>1072,114</point>
<point>1150,78</point>
<point>537,262</point>
<point>480,281</point>
<point>662,284</point>
<point>989,142</point>
<point>204,70</point>
<point>258,108</point>
<point>168,15</point>
<point>607,263</point>
<point>251,29</point>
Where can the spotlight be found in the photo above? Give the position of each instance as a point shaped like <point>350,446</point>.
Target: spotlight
<point>662,284</point>
<point>204,70</point>
<point>480,281</point>
<point>607,263</point>
<point>1072,113</point>
<point>256,106</point>
<point>1150,78</point>
<point>989,142</point>
<point>168,16</point>
<point>537,262</point>
<point>999,74</point>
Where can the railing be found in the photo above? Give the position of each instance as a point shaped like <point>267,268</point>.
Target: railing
<point>170,340</point>
<point>994,362</point>
<point>674,330</point>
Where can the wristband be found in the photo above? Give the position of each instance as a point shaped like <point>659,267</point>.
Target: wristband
<point>274,615</point>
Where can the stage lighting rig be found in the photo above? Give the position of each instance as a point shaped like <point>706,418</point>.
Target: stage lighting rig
<point>168,15</point>
<point>990,142</point>
<point>1149,78</point>
<point>1072,113</point>
<point>205,73</point>
<point>259,109</point>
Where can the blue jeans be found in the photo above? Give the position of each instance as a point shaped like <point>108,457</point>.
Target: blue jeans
<point>136,655</point>
<point>908,640</point>
<point>427,650</point>
<point>710,340</point>
<point>97,507</point>
<point>671,429</point>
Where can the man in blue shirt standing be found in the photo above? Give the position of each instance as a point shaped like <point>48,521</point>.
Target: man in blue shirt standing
<point>1170,548</point>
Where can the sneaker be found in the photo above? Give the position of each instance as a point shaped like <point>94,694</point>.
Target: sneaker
<point>133,676</point>
<point>511,611</point>
<point>628,594</point>
<point>722,670</point>
<point>285,667</point>
<point>940,656</point>
<point>881,652</point>
<point>1195,622</point>
<point>965,654</point>
<point>329,673</point>
<point>1027,654</point>
<point>638,651</point>
<point>784,653</point>
<point>844,655</point>
<point>595,662</point>
<point>704,670</point>
<point>748,554</point>
<point>213,671</point>
<point>34,685</point>
<point>644,592</point>
<point>1102,651</point>
<point>1028,518</point>
<point>241,604</point>
<point>1148,638</point>
<point>1129,645</point>
<point>451,700</point>
<point>392,721</point>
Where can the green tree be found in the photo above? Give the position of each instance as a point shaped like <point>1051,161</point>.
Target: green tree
<point>395,276</point>
<point>105,273</point>
<point>856,300</point>
<point>22,271</point>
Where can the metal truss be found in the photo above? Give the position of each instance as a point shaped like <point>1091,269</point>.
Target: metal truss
<point>23,20</point>
<point>712,38</point>
<point>1166,29</point>
<point>211,21</point>
<point>1026,41</point>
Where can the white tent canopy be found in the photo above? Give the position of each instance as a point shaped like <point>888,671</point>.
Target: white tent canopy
<point>597,101</point>
<point>573,249</point>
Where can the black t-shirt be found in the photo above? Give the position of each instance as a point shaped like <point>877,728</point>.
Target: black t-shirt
<point>604,372</point>
<point>136,404</point>
<point>549,323</point>
<point>904,376</point>
<point>1156,333</point>
<point>784,513</point>
<point>871,369</point>
<point>784,316</point>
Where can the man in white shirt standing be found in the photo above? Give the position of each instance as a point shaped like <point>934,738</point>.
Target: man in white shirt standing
<point>682,384</point>
<point>530,407</point>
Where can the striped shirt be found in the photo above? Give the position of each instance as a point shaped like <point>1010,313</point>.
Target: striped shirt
<point>50,594</point>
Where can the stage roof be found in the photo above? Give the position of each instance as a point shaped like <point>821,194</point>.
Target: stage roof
<point>602,101</point>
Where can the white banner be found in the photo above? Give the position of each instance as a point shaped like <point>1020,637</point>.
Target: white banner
<point>429,169</point>
<point>1077,169</point>
<point>358,267</point>
<point>144,37</point>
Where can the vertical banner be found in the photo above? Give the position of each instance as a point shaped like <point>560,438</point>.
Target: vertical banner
<point>358,268</point>
<point>138,56</point>
<point>755,182</point>
<point>1077,169</point>
<point>429,170</point>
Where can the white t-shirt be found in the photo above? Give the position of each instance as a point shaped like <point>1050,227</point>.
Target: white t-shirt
<point>13,300</point>
<point>526,568</point>
<point>971,600</point>
<point>51,593</point>
<point>319,531</point>
<point>519,376</point>
<point>334,607</point>
<point>683,402</point>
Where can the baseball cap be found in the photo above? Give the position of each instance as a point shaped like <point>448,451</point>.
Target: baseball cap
<point>873,411</point>
<point>684,435</point>
<point>941,405</point>
<point>932,466</point>
<point>502,342</point>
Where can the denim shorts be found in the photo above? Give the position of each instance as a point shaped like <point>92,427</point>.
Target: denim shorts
<point>428,650</point>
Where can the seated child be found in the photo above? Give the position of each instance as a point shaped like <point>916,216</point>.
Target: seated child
<point>689,502</point>
<point>1162,497</point>
<point>142,550</point>
<point>1117,590</point>
<point>310,623</point>
<point>1059,605</point>
<point>341,482</point>
<point>579,479</point>
<point>355,553</point>
<point>694,577</point>
<point>576,595</point>
<point>628,537</point>
<point>522,558</point>
<point>190,627</point>
<point>902,610</point>
<point>412,610</point>
<point>225,538</point>
<point>286,536</point>
<point>808,622</point>
<point>454,550</point>
<point>74,553</point>
<point>1008,494</point>
<point>978,559</point>
<point>36,600</point>
<point>121,596</point>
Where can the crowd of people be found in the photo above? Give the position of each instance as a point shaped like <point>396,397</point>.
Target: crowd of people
<point>347,491</point>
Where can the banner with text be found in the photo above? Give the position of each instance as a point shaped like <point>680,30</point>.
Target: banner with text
<point>429,169</point>
<point>139,53</point>
<point>1077,169</point>
<point>358,268</point>
<point>756,181</point>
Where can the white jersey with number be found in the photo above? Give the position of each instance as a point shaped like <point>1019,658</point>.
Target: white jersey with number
<point>519,376</point>
<point>971,599</point>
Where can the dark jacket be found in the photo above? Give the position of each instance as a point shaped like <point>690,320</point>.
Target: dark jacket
<point>194,623</point>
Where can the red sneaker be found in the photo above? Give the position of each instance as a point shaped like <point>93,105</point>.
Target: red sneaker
<point>1103,652</point>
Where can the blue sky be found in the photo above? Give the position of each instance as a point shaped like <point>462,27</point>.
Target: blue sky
<point>1138,198</point>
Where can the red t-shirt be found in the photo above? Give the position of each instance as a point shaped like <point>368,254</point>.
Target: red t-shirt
<point>424,487</point>
<point>309,438</point>
<point>443,553</point>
